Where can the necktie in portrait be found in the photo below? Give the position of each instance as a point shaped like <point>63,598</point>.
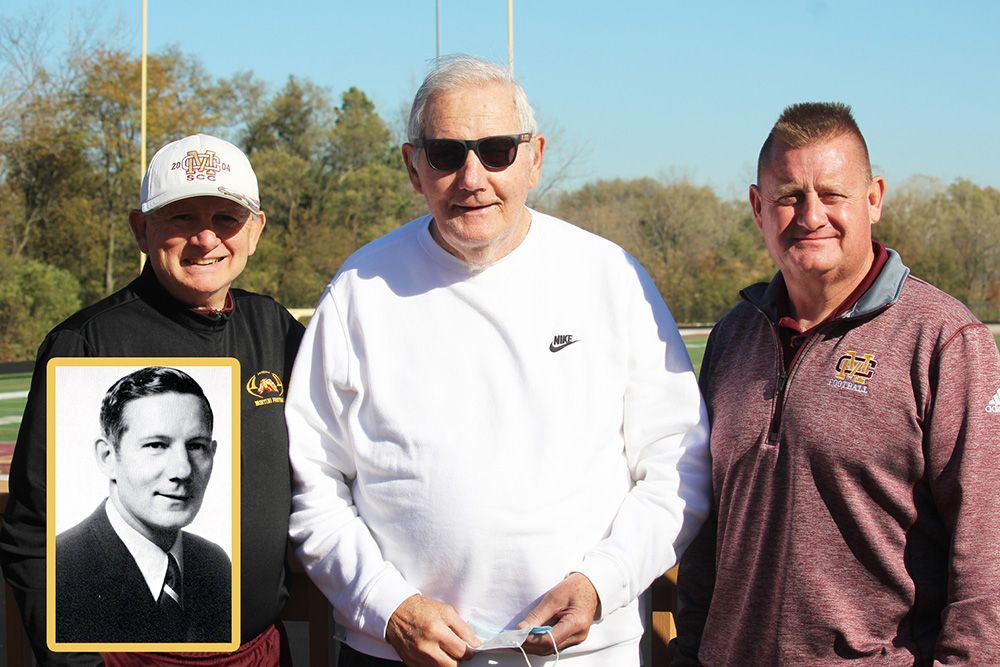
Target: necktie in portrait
<point>170,601</point>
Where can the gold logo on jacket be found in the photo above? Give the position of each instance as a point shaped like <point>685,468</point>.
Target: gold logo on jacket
<point>267,387</point>
<point>853,371</point>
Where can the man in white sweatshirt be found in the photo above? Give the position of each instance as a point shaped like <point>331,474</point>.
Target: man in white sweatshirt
<point>494,422</point>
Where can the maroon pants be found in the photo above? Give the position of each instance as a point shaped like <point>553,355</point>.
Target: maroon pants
<point>266,649</point>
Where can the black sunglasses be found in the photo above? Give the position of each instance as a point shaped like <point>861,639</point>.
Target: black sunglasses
<point>497,152</point>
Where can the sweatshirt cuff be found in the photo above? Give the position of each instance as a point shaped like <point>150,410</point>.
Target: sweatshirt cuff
<point>385,595</point>
<point>608,581</point>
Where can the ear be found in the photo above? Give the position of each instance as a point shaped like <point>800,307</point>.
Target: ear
<point>138,220</point>
<point>409,153</point>
<point>107,460</point>
<point>538,145</point>
<point>876,195</point>
<point>212,448</point>
<point>755,203</point>
<point>256,229</point>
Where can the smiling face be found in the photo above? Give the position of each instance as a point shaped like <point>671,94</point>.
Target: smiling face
<point>198,246</point>
<point>162,464</point>
<point>815,206</point>
<point>479,213</point>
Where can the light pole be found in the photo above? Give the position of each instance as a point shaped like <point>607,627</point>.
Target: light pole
<point>510,36</point>
<point>142,116</point>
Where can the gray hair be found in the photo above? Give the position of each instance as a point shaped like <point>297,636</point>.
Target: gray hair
<point>461,71</point>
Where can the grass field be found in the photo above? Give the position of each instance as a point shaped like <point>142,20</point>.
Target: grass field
<point>14,382</point>
<point>696,348</point>
<point>11,408</point>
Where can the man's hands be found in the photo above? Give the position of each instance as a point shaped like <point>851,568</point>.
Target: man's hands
<point>428,633</point>
<point>570,608</point>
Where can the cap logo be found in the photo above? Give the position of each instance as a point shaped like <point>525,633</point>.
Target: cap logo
<point>201,166</point>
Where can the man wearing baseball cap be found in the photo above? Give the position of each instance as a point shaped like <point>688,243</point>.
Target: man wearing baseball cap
<point>198,220</point>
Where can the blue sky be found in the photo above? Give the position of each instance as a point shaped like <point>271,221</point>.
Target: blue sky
<point>642,88</point>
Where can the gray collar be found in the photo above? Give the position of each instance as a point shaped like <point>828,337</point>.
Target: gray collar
<point>884,292</point>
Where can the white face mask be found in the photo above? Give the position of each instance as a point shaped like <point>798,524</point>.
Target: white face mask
<point>493,640</point>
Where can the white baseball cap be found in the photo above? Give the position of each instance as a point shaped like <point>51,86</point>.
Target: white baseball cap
<point>197,166</point>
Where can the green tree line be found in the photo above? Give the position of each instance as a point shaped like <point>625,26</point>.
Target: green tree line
<point>331,180</point>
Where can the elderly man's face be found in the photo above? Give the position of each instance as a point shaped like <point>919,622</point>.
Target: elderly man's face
<point>162,464</point>
<point>815,206</point>
<point>479,213</point>
<point>198,246</point>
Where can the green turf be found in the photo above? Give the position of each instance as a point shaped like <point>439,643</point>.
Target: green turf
<point>696,348</point>
<point>15,382</point>
<point>10,407</point>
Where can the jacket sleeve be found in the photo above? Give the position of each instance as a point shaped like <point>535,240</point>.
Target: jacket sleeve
<point>331,541</point>
<point>962,441</point>
<point>666,446</point>
<point>22,537</point>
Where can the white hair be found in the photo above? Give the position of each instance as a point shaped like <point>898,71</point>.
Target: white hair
<point>461,71</point>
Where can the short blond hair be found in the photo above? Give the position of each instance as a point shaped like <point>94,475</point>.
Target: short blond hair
<point>809,123</point>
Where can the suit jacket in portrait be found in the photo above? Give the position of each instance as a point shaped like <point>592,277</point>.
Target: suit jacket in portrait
<point>101,595</point>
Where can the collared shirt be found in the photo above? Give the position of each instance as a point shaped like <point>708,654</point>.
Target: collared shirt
<point>151,559</point>
<point>792,335</point>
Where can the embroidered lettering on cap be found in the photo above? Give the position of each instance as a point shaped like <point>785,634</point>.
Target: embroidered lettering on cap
<point>202,166</point>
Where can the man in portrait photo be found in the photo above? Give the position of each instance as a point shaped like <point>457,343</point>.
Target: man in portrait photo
<point>128,572</point>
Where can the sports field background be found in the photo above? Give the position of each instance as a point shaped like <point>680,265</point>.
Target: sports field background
<point>14,389</point>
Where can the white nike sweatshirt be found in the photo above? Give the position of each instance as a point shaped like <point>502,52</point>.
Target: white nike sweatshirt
<point>475,437</point>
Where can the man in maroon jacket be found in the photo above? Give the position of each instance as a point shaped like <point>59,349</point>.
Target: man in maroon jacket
<point>855,438</point>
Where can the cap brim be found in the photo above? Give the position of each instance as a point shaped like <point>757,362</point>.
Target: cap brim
<point>160,202</point>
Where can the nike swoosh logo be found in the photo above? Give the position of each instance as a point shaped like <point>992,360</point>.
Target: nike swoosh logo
<point>555,348</point>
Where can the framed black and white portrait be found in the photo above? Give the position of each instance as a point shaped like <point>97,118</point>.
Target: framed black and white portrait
<point>143,497</point>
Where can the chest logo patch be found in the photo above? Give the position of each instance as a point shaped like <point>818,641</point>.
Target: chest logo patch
<point>994,404</point>
<point>266,387</point>
<point>853,371</point>
<point>561,342</point>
